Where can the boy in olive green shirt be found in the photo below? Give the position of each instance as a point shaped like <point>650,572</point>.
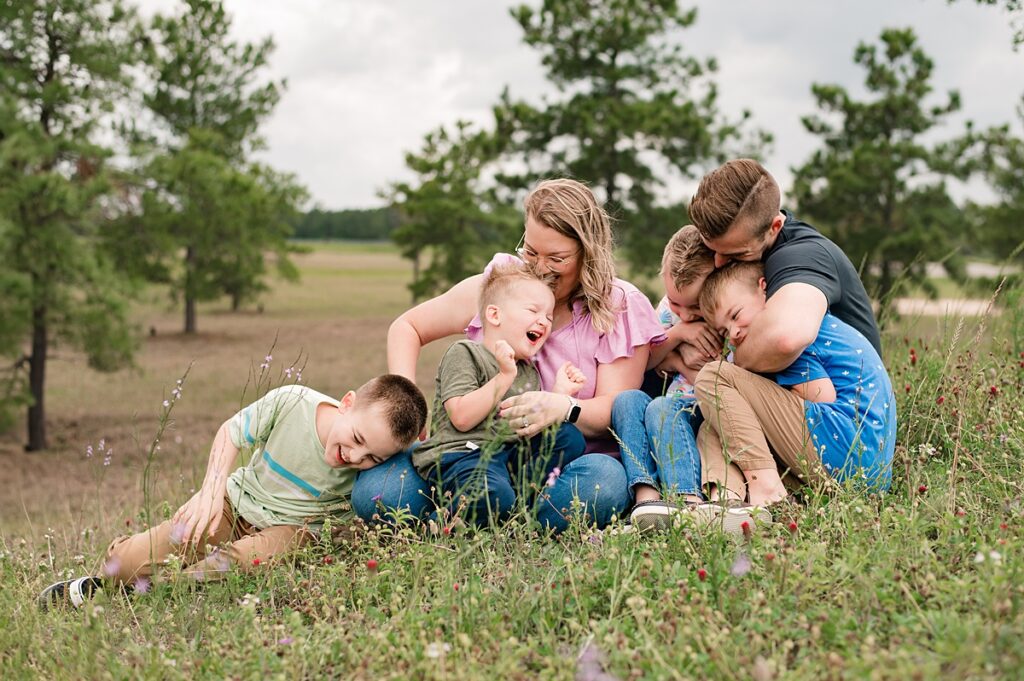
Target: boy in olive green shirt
<point>471,452</point>
<point>306,450</point>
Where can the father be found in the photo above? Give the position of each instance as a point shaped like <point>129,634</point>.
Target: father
<point>737,211</point>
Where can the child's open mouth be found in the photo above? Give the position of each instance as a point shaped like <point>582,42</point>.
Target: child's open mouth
<point>534,336</point>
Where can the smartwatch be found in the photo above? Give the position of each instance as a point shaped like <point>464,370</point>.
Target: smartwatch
<point>573,415</point>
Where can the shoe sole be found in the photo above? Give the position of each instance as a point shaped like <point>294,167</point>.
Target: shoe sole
<point>728,520</point>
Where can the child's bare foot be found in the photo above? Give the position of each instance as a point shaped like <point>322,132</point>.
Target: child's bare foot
<point>569,380</point>
<point>765,487</point>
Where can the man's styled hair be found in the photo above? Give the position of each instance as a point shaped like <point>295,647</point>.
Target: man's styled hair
<point>738,191</point>
<point>500,280</point>
<point>749,273</point>
<point>403,404</point>
<point>686,259</point>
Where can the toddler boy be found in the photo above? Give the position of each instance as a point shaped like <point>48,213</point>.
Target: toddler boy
<point>470,450</point>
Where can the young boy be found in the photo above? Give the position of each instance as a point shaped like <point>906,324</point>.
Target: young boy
<point>836,420</point>
<point>470,451</point>
<point>306,451</point>
<point>659,446</point>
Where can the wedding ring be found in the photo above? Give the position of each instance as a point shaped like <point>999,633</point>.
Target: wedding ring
<point>526,422</point>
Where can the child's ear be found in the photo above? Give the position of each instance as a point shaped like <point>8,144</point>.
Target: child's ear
<point>492,314</point>
<point>347,401</point>
<point>762,284</point>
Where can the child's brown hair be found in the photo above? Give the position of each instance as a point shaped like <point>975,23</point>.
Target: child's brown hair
<point>403,404</point>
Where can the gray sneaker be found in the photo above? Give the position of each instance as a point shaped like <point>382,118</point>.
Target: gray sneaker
<point>727,516</point>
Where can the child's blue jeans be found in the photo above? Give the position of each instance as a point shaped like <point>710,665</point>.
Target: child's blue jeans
<point>478,485</point>
<point>659,443</point>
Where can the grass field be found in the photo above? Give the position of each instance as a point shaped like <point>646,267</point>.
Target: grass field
<point>924,582</point>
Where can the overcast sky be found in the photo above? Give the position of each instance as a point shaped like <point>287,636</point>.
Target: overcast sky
<point>367,79</point>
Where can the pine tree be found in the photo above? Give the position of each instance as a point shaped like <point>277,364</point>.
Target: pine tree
<point>63,66</point>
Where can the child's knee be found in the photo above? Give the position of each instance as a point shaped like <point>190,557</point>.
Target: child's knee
<point>629,404</point>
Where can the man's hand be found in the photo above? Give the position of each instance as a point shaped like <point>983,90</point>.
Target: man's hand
<point>569,380</point>
<point>694,358</point>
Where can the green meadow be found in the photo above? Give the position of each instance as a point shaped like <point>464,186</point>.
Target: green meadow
<point>925,581</point>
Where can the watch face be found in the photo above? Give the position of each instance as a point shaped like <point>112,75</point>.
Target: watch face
<point>574,413</point>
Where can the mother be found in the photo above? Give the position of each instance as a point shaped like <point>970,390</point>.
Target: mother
<point>601,324</point>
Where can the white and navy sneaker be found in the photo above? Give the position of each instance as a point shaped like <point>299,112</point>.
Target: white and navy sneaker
<point>73,592</point>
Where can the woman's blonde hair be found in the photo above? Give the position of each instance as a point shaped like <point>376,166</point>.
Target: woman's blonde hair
<point>570,208</point>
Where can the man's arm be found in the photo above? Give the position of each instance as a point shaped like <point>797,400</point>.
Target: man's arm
<point>788,324</point>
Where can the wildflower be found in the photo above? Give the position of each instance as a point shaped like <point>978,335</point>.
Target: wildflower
<point>922,489</point>
<point>142,585</point>
<point>702,574</point>
<point>1003,526</point>
<point>286,641</point>
<point>166,404</point>
<point>371,565</point>
<point>376,498</point>
<point>792,527</point>
<point>740,566</point>
<point>993,390</point>
<point>979,557</point>
<point>553,476</point>
<point>112,567</point>
<point>745,526</point>
<point>288,372</point>
<point>939,400</point>
<point>328,559</point>
<point>995,556</point>
<point>448,530</point>
<point>177,533</point>
<point>256,562</point>
<point>88,452</point>
<point>907,388</point>
<point>455,586</point>
<point>769,557</point>
<point>436,650</point>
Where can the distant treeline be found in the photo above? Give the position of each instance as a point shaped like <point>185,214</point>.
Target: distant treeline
<point>370,224</point>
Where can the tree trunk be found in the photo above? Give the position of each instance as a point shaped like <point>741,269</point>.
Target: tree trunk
<point>415,274</point>
<point>37,382</point>
<point>236,301</point>
<point>190,297</point>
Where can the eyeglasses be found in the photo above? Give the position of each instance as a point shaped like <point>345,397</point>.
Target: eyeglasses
<point>552,261</point>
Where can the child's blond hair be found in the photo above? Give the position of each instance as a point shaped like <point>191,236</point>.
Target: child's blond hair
<point>686,259</point>
<point>500,280</point>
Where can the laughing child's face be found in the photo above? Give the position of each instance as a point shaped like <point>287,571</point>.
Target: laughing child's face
<point>684,302</point>
<point>522,317</point>
<point>738,303</point>
<point>359,435</point>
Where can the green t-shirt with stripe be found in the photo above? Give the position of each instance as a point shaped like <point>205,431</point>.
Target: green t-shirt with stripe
<point>287,481</point>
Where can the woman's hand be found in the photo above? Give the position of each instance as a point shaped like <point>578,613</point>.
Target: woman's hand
<point>534,411</point>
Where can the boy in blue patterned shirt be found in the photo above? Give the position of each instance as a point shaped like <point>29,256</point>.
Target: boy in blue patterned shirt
<point>831,415</point>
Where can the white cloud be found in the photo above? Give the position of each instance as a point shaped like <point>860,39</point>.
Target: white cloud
<point>368,79</point>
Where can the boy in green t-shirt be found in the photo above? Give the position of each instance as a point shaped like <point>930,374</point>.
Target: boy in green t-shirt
<point>472,453</point>
<point>306,450</point>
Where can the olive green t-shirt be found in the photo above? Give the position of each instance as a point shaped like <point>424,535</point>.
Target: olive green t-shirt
<point>287,481</point>
<point>464,368</point>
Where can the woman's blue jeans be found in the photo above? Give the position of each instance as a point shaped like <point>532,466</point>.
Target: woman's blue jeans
<point>594,485</point>
<point>658,438</point>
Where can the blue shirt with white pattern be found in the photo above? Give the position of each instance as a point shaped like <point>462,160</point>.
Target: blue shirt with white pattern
<point>856,435</point>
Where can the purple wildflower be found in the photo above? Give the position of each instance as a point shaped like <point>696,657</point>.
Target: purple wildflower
<point>740,566</point>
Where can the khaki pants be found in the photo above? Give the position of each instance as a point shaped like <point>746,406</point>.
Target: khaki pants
<point>751,423</point>
<point>235,545</point>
